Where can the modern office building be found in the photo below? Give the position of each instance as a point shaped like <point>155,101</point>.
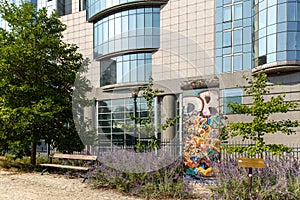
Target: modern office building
<point>196,51</point>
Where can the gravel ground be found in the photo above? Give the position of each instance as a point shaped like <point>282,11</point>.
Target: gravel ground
<point>33,186</point>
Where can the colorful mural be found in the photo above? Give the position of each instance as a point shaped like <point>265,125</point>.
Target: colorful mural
<point>201,132</point>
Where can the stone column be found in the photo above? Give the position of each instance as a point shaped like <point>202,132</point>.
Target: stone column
<point>168,110</point>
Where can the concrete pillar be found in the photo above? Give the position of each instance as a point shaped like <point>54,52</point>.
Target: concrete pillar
<point>168,110</point>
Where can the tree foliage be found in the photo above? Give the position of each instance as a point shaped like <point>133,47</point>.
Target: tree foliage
<point>37,71</point>
<point>261,124</point>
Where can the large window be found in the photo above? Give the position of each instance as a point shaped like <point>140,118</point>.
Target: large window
<point>126,68</point>
<point>233,95</point>
<point>276,33</point>
<point>233,35</point>
<point>129,29</point>
<point>115,126</point>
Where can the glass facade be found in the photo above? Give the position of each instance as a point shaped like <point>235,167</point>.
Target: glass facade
<point>119,38</point>
<point>96,6</point>
<point>276,31</point>
<point>115,123</point>
<point>233,37</point>
<point>129,29</point>
<point>126,68</point>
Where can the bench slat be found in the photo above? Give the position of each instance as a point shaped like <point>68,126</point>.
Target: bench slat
<point>65,166</point>
<point>74,156</point>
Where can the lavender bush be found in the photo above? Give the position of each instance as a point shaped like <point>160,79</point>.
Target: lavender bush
<point>166,182</point>
<point>279,180</point>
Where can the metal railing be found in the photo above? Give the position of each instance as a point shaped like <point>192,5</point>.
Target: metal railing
<point>225,156</point>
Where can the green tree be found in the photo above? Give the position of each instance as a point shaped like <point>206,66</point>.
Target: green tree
<point>260,125</point>
<point>37,71</point>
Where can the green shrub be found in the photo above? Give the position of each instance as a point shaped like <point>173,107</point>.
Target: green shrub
<point>166,182</point>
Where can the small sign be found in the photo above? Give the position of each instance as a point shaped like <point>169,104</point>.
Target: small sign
<point>251,162</point>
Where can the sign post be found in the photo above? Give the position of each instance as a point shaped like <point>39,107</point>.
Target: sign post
<point>251,163</point>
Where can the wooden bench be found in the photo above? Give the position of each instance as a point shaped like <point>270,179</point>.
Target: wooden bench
<point>73,157</point>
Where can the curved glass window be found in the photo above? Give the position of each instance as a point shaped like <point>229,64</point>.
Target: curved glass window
<point>95,6</point>
<point>276,40</point>
<point>130,29</point>
<point>126,68</point>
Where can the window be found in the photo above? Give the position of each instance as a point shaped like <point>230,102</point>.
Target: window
<point>131,29</point>
<point>233,37</point>
<point>125,68</point>
<point>233,95</point>
<point>238,62</point>
<point>238,37</point>
<point>281,13</point>
<point>238,11</point>
<point>64,7</point>
<point>247,61</point>
<point>292,41</point>
<point>271,43</point>
<point>262,46</point>
<point>113,115</point>
<point>227,64</point>
<point>227,14</point>
<point>272,15</point>
<point>82,5</point>
<point>292,11</point>
<point>227,39</point>
<point>262,19</point>
<point>281,41</point>
<point>218,39</point>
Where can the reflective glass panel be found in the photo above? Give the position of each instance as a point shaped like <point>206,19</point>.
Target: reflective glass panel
<point>126,68</point>
<point>227,13</point>
<point>238,36</point>
<point>271,57</point>
<point>237,62</point>
<point>247,61</point>
<point>262,19</point>
<point>271,2</point>
<point>227,64</point>
<point>227,38</point>
<point>219,39</point>
<point>292,11</point>
<point>219,64</point>
<point>271,43</point>
<point>272,15</point>
<point>262,46</point>
<point>125,30</point>
<point>281,41</point>
<point>238,11</point>
<point>282,16</point>
<point>246,9</point>
<point>292,41</point>
<point>247,35</point>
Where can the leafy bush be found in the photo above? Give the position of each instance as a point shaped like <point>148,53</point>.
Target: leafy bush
<point>22,164</point>
<point>166,182</point>
<point>279,180</point>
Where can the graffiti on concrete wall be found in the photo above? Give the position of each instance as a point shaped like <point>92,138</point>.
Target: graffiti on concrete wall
<point>201,132</point>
